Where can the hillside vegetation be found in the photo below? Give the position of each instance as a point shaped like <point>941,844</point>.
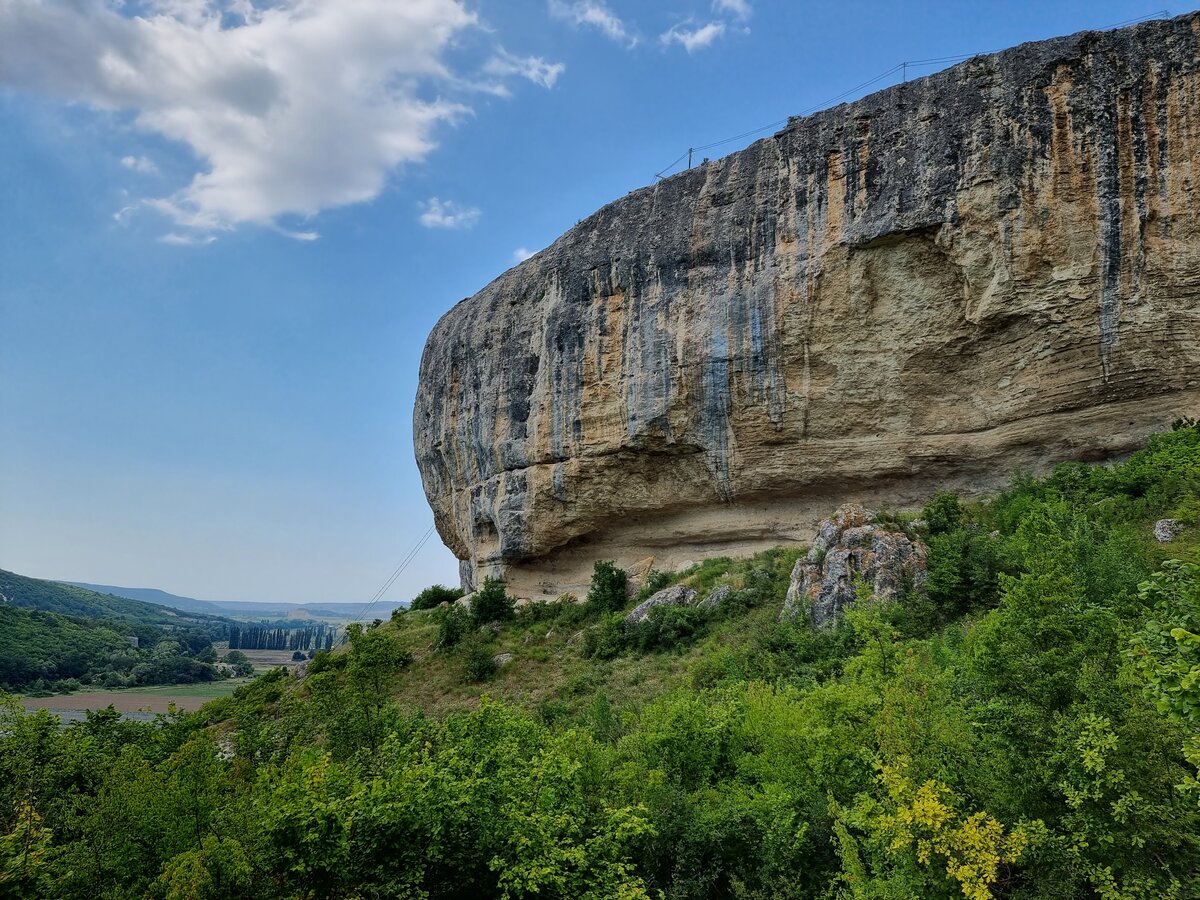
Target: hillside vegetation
<point>56,637</point>
<point>1026,725</point>
<point>70,600</point>
<point>43,652</point>
<point>152,595</point>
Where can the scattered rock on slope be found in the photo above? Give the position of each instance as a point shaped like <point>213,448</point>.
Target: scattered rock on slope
<point>717,597</point>
<point>675,595</point>
<point>849,548</point>
<point>1165,530</point>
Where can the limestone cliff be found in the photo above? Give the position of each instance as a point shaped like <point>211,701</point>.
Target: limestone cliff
<point>994,266</point>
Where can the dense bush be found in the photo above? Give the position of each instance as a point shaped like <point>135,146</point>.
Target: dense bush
<point>655,582</point>
<point>478,662</point>
<point>491,603</point>
<point>242,667</point>
<point>666,627</point>
<point>435,595</point>
<point>605,639</point>
<point>607,590</point>
<point>453,624</point>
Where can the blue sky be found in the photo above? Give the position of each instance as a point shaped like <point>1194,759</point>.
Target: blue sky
<point>228,227</point>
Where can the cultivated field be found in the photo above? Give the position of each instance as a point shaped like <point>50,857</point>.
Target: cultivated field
<point>156,699</point>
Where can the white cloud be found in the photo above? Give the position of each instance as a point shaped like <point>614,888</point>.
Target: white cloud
<point>521,254</point>
<point>533,68</point>
<point>593,14</point>
<point>692,39</point>
<point>298,235</point>
<point>142,164</point>
<point>448,214</point>
<point>187,240</point>
<point>739,8</point>
<point>289,106</point>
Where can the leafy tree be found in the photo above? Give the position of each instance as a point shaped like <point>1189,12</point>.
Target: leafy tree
<point>242,667</point>
<point>1166,652</point>
<point>963,569</point>
<point>920,841</point>
<point>435,595</point>
<point>491,603</point>
<point>607,591</point>
<point>943,514</point>
<point>453,624</point>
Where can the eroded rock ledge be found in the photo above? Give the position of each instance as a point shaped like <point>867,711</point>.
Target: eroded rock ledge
<point>995,266</point>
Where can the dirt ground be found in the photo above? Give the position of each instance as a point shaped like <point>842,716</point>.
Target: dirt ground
<point>153,699</point>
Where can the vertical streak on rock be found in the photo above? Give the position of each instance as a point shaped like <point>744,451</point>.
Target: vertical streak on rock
<point>714,406</point>
<point>1108,196</point>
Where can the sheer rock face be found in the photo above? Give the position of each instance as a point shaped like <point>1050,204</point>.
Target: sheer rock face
<point>995,266</point>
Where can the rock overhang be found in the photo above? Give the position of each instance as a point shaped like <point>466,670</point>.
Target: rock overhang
<point>994,266</point>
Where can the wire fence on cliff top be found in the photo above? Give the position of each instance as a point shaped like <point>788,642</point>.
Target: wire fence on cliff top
<point>900,67</point>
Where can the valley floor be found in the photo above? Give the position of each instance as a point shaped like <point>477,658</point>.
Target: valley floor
<point>153,700</point>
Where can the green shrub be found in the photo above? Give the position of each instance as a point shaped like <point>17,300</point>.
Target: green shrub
<point>667,627</point>
<point>552,711</point>
<point>655,582</point>
<point>479,665</point>
<point>435,595</point>
<point>607,591</point>
<point>943,513</point>
<point>453,624</point>
<point>551,611</point>
<point>491,603</point>
<point>605,639</point>
<point>320,662</point>
<point>704,575</point>
<point>963,565</point>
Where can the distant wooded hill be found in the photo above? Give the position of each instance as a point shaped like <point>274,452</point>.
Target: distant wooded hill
<point>241,609</point>
<point>71,600</point>
<point>152,595</point>
<point>56,637</point>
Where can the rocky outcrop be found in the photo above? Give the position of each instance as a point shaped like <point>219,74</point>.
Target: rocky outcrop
<point>1166,530</point>
<point>716,597</point>
<point>849,550</point>
<point>994,266</point>
<point>675,595</point>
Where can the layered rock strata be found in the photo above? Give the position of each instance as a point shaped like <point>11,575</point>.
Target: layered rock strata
<point>996,266</point>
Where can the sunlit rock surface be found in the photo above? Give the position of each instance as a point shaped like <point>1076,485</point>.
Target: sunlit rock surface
<point>995,266</point>
<point>849,550</point>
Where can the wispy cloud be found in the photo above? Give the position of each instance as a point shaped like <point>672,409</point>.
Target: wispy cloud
<point>692,38</point>
<point>521,254</point>
<point>739,8</point>
<point>290,106</point>
<point>533,68</point>
<point>594,14</point>
<point>187,240</point>
<point>142,164</point>
<point>448,214</point>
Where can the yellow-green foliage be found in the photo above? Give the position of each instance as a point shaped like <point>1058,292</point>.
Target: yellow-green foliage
<point>923,819</point>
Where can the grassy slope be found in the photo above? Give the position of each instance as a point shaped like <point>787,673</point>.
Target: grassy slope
<point>550,673</point>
